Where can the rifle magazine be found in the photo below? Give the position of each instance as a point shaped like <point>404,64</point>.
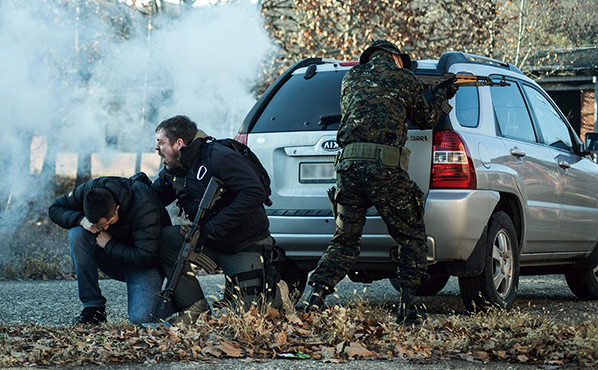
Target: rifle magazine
<point>205,262</point>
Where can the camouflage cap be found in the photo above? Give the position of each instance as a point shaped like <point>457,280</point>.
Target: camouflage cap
<point>386,46</point>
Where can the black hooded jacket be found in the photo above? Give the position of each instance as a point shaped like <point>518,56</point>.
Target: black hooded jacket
<point>239,218</point>
<point>136,236</point>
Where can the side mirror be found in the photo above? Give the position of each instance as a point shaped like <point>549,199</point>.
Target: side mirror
<point>591,145</point>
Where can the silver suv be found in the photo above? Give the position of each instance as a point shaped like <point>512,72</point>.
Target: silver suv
<point>509,188</point>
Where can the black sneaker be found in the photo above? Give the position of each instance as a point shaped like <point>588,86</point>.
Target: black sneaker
<point>91,316</point>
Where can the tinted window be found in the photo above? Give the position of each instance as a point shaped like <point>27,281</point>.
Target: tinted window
<point>467,106</point>
<point>299,103</point>
<point>511,114</point>
<point>553,129</point>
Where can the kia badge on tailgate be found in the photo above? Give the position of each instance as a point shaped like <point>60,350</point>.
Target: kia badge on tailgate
<point>330,145</point>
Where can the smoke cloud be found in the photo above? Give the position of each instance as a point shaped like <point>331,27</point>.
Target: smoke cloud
<point>80,77</point>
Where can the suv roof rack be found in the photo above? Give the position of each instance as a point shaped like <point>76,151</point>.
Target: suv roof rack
<point>453,57</point>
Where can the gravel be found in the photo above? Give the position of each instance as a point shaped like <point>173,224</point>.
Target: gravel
<point>251,364</point>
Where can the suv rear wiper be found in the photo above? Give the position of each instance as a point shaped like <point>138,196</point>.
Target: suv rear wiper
<point>328,119</point>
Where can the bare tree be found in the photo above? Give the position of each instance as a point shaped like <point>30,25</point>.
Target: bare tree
<point>506,30</point>
<point>336,28</point>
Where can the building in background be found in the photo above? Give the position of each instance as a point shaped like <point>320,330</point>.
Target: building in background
<point>570,78</point>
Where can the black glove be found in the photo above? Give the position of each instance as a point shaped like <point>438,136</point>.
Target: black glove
<point>449,87</point>
<point>207,236</point>
<point>451,90</point>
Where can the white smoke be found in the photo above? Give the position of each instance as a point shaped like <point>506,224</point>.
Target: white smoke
<point>67,76</point>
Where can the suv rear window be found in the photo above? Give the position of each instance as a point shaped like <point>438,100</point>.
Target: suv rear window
<point>299,103</point>
<point>467,106</point>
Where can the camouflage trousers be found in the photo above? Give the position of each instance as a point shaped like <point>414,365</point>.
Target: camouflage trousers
<point>400,203</point>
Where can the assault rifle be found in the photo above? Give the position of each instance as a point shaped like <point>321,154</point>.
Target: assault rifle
<point>190,251</point>
<point>430,82</point>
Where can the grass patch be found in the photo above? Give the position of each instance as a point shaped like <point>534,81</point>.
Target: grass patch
<point>37,249</point>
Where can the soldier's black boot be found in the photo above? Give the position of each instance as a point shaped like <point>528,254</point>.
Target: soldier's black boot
<point>318,295</point>
<point>408,313</point>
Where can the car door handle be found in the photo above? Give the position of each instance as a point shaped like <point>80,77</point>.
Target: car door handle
<point>517,153</point>
<point>564,164</point>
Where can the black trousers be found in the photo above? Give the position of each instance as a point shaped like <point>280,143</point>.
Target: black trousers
<point>188,290</point>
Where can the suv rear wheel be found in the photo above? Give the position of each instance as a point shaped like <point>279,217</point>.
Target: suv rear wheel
<point>498,282</point>
<point>584,283</point>
<point>431,287</point>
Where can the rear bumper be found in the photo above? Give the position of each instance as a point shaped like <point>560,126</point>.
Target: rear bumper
<point>455,220</point>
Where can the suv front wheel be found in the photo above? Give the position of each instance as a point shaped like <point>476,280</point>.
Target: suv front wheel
<point>498,282</point>
<point>584,283</point>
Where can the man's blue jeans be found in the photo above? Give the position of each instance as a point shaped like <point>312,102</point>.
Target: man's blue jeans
<point>142,284</point>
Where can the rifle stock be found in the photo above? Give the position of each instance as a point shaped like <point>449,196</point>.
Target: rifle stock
<point>188,252</point>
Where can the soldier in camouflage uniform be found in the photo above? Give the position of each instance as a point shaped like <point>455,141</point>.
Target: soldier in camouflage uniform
<point>377,98</point>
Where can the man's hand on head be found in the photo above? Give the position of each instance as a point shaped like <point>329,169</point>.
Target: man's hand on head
<point>92,228</point>
<point>103,238</point>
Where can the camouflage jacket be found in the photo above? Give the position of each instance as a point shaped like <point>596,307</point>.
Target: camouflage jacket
<point>377,99</point>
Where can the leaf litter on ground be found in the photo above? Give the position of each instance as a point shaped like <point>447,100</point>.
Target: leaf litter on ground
<point>338,334</point>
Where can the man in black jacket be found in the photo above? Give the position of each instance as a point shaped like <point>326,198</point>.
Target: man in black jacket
<point>115,225</point>
<point>235,234</point>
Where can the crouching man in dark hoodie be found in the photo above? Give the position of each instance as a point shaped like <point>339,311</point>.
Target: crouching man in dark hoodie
<point>115,226</point>
<point>235,234</point>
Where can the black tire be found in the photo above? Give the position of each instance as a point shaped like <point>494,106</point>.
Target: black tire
<point>583,283</point>
<point>295,278</point>
<point>498,283</point>
<point>431,287</point>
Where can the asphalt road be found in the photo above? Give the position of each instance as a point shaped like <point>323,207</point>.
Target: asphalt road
<point>56,302</point>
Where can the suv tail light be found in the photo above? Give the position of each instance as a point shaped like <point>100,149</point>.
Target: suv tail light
<point>452,166</point>
<point>242,138</point>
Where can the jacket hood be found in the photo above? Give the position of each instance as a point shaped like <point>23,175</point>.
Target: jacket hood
<point>120,189</point>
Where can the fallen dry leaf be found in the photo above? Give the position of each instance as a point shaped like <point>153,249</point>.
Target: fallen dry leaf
<point>212,351</point>
<point>280,339</point>
<point>522,358</point>
<point>481,355</point>
<point>355,349</point>
<point>230,349</point>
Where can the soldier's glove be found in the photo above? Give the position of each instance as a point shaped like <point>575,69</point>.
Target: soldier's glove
<point>449,87</point>
<point>451,90</point>
<point>208,235</point>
